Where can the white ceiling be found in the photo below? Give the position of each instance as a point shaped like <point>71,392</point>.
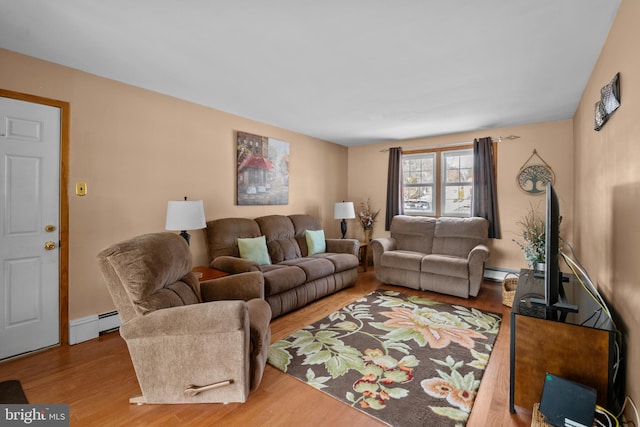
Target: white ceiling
<point>347,71</point>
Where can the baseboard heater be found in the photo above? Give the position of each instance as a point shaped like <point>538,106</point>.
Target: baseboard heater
<point>109,322</point>
<point>90,327</point>
<point>497,274</point>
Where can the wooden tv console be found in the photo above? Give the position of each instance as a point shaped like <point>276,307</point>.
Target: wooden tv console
<point>570,349</point>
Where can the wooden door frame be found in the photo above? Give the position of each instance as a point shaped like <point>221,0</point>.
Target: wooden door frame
<point>63,263</point>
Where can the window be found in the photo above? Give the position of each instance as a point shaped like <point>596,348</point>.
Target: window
<point>457,182</point>
<point>418,173</point>
<point>438,182</point>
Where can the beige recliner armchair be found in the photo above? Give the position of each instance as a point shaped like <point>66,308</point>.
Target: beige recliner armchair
<point>190,342</point>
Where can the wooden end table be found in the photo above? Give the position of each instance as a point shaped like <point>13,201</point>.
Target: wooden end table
<point>364,253</point>
<point>208,273</point>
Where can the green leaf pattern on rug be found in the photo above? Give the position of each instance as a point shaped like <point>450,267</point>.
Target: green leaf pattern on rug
<point>317,382</point>
<point>325,348</point>
<point>480,320</point>
<point>279,357</point>
<point>382,377</point>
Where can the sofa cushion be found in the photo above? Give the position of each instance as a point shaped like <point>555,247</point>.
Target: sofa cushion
<point>280,235</point>
<point>404,260</point>
<point>280,278</point>
<point>254,249</point>
<point>302,223</point>
<point>316,243</point>
<point>457,236</point>
<point>341,262</point>
<point>343,246</point>
<point>446,265</point>
<point>222,235</point>
<point>413,233</point>
<point>314,268</point>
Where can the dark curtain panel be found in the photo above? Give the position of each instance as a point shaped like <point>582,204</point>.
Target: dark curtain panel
<point>485,196</point>
<point>394,186</point>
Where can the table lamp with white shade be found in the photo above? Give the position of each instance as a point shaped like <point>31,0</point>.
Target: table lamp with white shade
<point>185,215</point>
<point>344,210</point>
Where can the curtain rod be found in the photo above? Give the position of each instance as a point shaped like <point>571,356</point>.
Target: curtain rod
<point>456,144</point>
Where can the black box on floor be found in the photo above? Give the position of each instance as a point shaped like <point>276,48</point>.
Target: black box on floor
<point>567,403</point>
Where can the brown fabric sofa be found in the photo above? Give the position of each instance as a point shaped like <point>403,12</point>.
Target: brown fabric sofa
<point>292,278</point>
<point>444,255</point>
<point>190,341</point>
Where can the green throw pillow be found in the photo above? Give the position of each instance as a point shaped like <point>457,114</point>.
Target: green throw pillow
<point>315,241</point>
<point>254,249</point>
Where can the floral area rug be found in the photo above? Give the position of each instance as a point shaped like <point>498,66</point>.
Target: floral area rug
<point>405,360</point>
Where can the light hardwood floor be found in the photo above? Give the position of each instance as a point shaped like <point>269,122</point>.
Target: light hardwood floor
<point>97,378</point>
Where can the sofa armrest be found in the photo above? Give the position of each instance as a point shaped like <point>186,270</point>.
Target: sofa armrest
<point>343,246</point>
<point>476,259</point>
<point>193,319</point>
<point>259,318</point>
<point>234,265</point>
<point>243,286</point>
<point>478,255</point>
<point>381,245</point>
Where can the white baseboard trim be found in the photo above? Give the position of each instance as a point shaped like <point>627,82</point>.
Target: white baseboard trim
<point>89,327</point>
<point>83,329</point>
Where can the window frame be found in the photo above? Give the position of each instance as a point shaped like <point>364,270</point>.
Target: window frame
<point>445,184</point>
<point>439,185</point>
<point>432,184</point>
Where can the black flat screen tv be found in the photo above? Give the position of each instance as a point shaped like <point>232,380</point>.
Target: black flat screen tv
<point>553,275</point>
<point>554,299</point>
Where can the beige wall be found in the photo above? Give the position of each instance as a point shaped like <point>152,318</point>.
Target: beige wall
<point>553,141</point>
<point>138,149</point>
<point>607,184</point>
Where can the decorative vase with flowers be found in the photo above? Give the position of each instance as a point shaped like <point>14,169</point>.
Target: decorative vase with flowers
<point>367,219</point>
<point>532,233</point>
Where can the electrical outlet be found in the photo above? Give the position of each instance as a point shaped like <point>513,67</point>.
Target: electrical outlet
<point>81,188</point>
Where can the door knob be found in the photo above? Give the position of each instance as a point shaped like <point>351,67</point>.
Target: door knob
<point>49,245</point>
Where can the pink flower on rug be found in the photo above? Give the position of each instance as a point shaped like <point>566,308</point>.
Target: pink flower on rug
<point>439,329</point>
<point>437,387</point>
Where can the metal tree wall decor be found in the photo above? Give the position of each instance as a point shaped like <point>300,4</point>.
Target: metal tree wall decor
<point>533,177</point>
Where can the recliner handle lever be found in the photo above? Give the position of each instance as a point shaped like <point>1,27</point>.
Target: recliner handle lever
<point>194,390</point>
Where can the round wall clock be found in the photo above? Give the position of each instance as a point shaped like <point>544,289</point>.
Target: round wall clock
<point>533,178</point>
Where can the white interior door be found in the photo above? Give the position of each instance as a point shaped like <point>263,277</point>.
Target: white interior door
<point>29,226</point>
